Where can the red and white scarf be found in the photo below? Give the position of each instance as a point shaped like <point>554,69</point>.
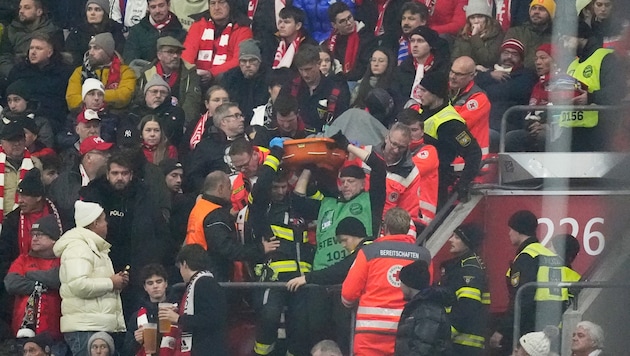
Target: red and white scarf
<point>284,55</point>
<point>171,79</point>
<point>504,13</point>
<point>352,47</point>
<point>187,307</point>
<point>430,5</point>
<point>167,344</point>
<point>381,6</point>
<point>210,53</point>
<point>253,5</point>
<point>199,130</point>
<point>160,25</point>
<point>420,70</point>
<point>27,165</point>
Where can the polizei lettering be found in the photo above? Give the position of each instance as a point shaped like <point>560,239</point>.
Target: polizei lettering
<point>400,254</point>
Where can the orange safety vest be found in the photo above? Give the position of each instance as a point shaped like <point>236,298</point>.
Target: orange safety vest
<point>473,105</point>
<point>240,193</point>
<point>428,163</point>
<point>194,232</point>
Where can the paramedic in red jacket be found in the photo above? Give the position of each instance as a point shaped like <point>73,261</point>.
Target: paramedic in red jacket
<point>373,283</point>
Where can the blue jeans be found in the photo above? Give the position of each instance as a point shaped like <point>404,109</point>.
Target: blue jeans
<point>78,342</point>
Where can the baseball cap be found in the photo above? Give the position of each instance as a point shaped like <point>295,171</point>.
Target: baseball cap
<point>94,143</point>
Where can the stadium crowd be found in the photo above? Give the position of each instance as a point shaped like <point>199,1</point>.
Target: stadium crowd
<point>143,160</point>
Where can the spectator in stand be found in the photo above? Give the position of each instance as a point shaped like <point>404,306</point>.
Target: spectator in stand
<point>602,16</point>
<point>537,343</point>
<point>22,106</point>
<point>246,83</point>
<point>15,161</point>
<point>51,166</point>
<point>157,102</point>
<point>291,34</point>
<point>34,280</point>
<point>424,328</point>
<point>101,344</point>
<point>33,144</point>
<point>373,284</point>
<point>534,32</point>
<point>276,79</point>
<point>196,129</point>
<point>202,315</point>
<point>128,13</point>
<point>447,17</point>
<point>16,37</point>
<point>318,22</point>
<point>379,74</point>
<point>414,14</point>
<point>329,66</point>
<point>321,99</point>
<point>481,37</point>
<point>155,145</point>
<point>104,64</point>
<point>180,75</point>
<point>211,153</point>
<point>286,123</point>
<point>46,67</point>
<point>326,348</point>
<point>381,17</point>
<point>350,42</point>
<point>509,84</point>
<point>96,21</point>
<point>88,123</point>
<point>90,289</point>
<point>137,229</point>
<point>427,55</point>
<point>588,339</point>
<point>38,345</point>
<point>155,283</point>
<point>212,42</point>
<point>159,22</point>
<point>511,13</point>
<point>471,103</point>
<point>93,155</point>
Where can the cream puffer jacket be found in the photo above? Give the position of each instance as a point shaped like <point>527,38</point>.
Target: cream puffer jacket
<point>89,302</point>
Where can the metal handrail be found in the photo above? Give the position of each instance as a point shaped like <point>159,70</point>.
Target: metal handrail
<point>519,294</point>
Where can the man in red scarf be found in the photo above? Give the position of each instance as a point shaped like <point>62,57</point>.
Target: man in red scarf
<point>290,36</point>
<point>350,42</point>
<point>212,41</point>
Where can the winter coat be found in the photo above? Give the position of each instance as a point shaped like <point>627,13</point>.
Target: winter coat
<point>424,328</point>
<point>248,93</point>
<point>45,134</point>
<point>78,40</point>
<point>531,38</point>
<point>171,120</point>
<point>64,191</point>
<point>484,51</point>
<point>406,73</point>
<point>367,44</point>
<point>317,22</point>
<point>448,17</point>
<point>367,12</point>
<point>143,37</point>
<point>16,39</point>
<point>117,98</point>
<point>89,302</point>
<point>187,91</point>
<point>11,182</point>
<point>208,155</point>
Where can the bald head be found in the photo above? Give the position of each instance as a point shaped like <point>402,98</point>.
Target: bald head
<point>462,73</point>
<point>217,184</point>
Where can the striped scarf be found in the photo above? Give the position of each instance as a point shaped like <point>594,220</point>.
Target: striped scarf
<point>167,342</point>
<point>160,25</point>
<point>187,307</point>
<point>284,55</point>
<point>403,49</point>
<point>199,130</point>
<point>211,54</point>
<point>27,165</point>
<point>252,5</point>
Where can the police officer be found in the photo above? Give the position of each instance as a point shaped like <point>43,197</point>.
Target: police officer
<point>445,129</point>
<point>271,217</point>
<point>533,263</point>
<point>464,278</point>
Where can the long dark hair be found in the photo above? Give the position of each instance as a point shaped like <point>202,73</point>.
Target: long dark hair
<point>384,80</point>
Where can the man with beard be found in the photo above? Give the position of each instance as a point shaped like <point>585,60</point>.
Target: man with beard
<point>246,84</point>
<point>509,84</point>
<point>159,22</point>
<point>536,31</point>
<point>137,229</point>
<point>104,64</point>
<point>414,14</point>
<point>287,122</point>
<point>16,37</point>
<point>180,75</point>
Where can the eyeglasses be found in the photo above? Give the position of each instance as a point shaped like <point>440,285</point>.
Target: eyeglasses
<point>378,60</point>
<point>397,146</point>
<point>158,92</point>
<point>346,21</point>
<point>240,167</point>
<point>172,52</point>
<point>458,74</point>
<point>236,116</point>
<point>217,3</point>
<point>37,234</point>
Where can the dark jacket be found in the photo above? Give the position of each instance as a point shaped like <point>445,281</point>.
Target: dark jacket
<point>531,37</point>
<point>367,13</point>
<point>64,192</point>
<point>424,328</point>
<point>223,249</point>
<point>503,95</point>
<point>367,44</point>
<point>317,21</point>
<point>264,134</point>
<point>143,37</point>
<point>171,120</point>
<point>483,50</point>
<point>207,156</point>
<point>248,93</point>
<point>406,72</point>
<point>78,40</point>
<point>336,273</point>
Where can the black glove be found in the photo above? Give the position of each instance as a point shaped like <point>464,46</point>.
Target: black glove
<point>277,152</point>
<point>463,191</point>
<point>341,140</point>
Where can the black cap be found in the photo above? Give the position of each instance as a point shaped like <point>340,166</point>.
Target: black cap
<point>470,234</point>
<point>20,88</point>
<point>351,226</point>
<point>43,340</point>
<point>31,184</point>
<point>427,33</point>
<point>353,171</point>
<point>380,103</point>
<point>416,275</point>
<point>170,164</point>
<point>436,82</point>
<point>12,131</point>
<point>524,222</point>
<point>29,123</point>
<point>48,225</point>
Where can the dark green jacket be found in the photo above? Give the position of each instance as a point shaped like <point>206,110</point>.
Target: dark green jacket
<point>143,37</point>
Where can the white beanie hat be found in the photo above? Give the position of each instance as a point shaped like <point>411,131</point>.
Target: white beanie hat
<point>539,343</point>
<point>86,213</point>
<point>91,84</point>
<point>478,7</point>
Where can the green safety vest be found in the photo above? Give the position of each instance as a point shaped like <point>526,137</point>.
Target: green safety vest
<point>587,72</point>
<point>550,269</point>
<point>331,212</point>
<point>432,124</point>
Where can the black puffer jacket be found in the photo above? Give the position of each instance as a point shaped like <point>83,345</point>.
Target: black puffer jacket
<point>143,37</point>
<point>424,328</point>
<point>78,41</point>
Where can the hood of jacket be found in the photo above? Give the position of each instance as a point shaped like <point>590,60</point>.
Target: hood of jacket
<point>82,235</point>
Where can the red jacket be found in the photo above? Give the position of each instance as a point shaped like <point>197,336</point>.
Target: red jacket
<point>171,152</point>
<point>373,281</point>
<point>49,306</point>
<point>448,16</point>
<point>239,34</point>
